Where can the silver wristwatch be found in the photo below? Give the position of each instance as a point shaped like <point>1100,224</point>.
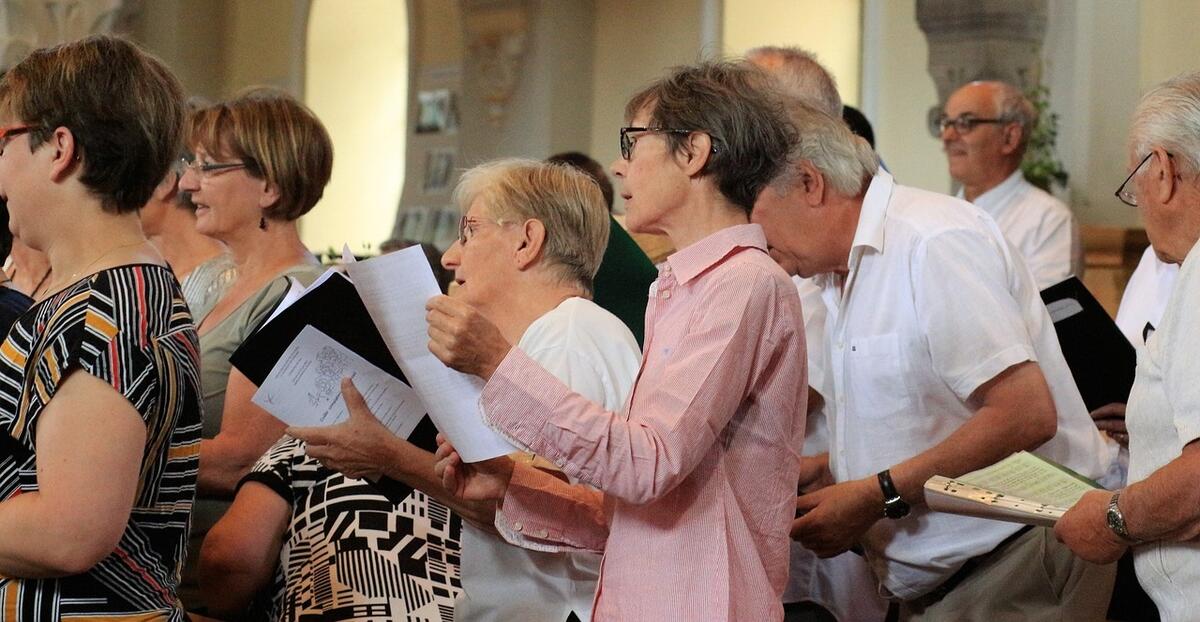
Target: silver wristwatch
<point>1116,520</point>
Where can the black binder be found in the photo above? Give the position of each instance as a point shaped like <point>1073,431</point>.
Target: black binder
<point>1102,360</point>
<point>334,308</point>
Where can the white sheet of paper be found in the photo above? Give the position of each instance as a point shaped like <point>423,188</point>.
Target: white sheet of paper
<point>395,288</point>
<point>304,387</point>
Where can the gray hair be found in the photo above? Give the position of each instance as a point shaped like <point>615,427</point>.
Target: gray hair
<point>1013,107</point>
<point>564,199</point>
<point>847,161</point>
<point>800,76</point>
<point>738,106</point>
<point>1169,117</point>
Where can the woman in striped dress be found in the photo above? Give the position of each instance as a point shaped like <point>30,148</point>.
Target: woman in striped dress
<point>99,385</point>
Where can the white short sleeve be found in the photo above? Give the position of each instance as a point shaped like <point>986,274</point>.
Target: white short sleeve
<point>973,323</point>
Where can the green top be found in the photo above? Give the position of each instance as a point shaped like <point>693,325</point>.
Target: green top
<point>216,346</point>
<point>622,285</point>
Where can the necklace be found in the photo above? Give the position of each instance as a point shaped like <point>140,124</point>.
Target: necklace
<point>37,288</point>
<point>76,275</point>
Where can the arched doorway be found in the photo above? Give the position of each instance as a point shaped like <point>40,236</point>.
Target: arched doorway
<point>356,81</point>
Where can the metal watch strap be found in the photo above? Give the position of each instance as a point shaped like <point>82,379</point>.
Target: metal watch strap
<point>1116,520</point>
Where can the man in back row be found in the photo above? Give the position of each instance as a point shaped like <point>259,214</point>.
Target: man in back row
<point>840,587</point>
<point>985,129</point>
<point>920,388</point>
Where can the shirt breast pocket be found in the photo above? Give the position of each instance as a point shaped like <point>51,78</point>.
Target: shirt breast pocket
<point>876,378</point>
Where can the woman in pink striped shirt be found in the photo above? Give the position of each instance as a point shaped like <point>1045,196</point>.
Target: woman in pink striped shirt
<point>696,476</point>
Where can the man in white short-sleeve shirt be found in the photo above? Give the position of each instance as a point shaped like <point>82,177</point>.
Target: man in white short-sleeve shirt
<point>1158,513</point>
<point>985,129</point>
<point>943,360</point>
<point>841,585</point>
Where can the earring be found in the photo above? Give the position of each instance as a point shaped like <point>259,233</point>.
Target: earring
<point>262,223</point>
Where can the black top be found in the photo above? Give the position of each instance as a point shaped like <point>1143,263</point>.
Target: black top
<point>12,304</point>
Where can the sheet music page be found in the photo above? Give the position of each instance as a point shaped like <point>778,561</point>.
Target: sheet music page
<point>1029,477</point>
<point>395,288</point>
<point>304,387</point>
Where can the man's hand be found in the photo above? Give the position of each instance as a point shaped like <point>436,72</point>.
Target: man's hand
<point>478,481</point>
<point>835,518</point>
<point>1110,418</point>
<point>359,447</point>
<point>1084,529</point>
<point>463,339</point>
<point>814,473</point>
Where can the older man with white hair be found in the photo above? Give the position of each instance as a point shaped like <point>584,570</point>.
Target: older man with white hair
<point>1158,513</point>
<point>923,385</point>
<point>842,586</point>
<point>985,128</point>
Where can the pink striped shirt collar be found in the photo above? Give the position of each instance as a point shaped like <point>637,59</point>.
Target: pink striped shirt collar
<point>690,262</point>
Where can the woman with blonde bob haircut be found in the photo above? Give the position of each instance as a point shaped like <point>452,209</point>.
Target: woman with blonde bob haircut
<point>531,239</point>
<point>557,196</point>
<point>99,386</point>
<point>262,160</point>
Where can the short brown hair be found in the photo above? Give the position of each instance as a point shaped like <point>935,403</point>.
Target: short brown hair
<point>737,104</point>
<point>563,198</point>
<point>123,107</point>
<point>593,168</point>
<point>280,140</point>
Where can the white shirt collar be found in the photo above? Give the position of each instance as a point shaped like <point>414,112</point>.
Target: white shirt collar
<point>868,234</point>
<point>992,200</point>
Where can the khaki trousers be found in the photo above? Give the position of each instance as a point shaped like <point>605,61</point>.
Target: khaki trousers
<point>1033,578</point>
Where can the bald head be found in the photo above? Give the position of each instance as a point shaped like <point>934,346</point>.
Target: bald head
<point>800,76</point>
<point>985,153</point>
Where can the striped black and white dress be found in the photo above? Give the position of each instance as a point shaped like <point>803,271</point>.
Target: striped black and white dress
<point>128,326</point>
<point>351,554</point>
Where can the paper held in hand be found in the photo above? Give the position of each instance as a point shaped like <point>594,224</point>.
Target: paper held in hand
<point>304,387</point>
<point>1022,488</point>
<point>395,288</point>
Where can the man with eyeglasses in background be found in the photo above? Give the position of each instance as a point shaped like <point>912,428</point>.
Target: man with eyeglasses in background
<point>985,128</point>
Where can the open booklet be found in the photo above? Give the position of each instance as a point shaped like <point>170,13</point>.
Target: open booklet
<point>1022,488</point>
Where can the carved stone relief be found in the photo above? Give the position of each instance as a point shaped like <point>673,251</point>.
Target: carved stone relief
<point>497,33</point>
<point>982,40</point>
<point>26,25</point>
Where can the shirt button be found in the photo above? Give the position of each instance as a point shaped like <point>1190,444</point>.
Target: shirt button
<point>666,294</point>
<point>517,526</point>
<point>543,534</point>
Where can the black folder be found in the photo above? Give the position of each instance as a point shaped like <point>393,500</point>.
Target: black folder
<point>334,308</point>
<point>1101,359</point>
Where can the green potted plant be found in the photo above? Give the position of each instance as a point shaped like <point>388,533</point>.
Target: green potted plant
<point>1041,165</point>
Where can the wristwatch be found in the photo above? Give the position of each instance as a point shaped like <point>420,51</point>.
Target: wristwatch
<point>893,506</point>
<point>1116,520</point>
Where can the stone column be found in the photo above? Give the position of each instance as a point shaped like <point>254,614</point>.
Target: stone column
<point>26,25</point>
<point>982,40</point>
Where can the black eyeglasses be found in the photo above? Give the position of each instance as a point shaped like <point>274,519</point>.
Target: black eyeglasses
<point>628,142</point>
<point>1126,195</point>
<point>963,124</point>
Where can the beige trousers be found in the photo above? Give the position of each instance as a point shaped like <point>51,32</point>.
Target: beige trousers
<point>1033,578</point>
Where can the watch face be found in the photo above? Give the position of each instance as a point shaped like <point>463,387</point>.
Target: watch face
<point>895,508</point>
